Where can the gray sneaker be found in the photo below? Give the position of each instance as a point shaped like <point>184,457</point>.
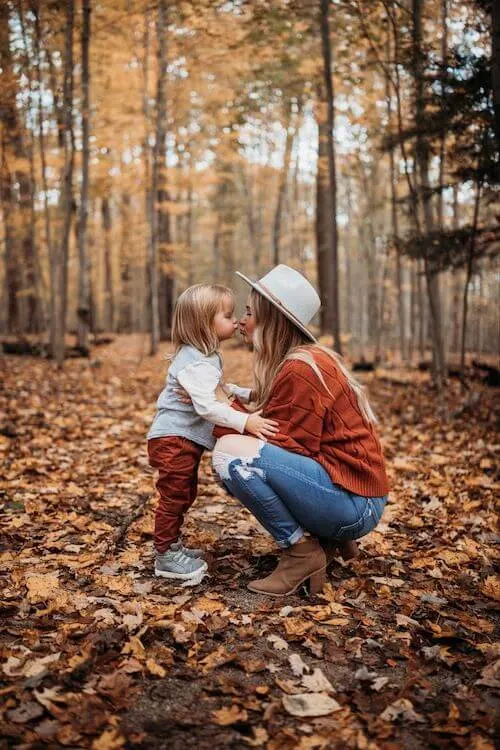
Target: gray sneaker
<point>175,564</point>
<point>187,551</point>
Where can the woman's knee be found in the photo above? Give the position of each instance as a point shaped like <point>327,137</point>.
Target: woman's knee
<point>238,445</point>
<point>231,447</point>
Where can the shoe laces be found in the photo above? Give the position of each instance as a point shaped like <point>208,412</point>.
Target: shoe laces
<point>179,556</point>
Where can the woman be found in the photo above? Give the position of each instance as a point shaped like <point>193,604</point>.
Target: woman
<point>321,480</point>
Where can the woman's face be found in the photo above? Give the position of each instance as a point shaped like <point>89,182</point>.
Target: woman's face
<point>247,322</point>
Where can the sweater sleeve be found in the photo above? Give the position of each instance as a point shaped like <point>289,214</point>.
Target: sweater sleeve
<point>296,404</point>
<point>236,390</point>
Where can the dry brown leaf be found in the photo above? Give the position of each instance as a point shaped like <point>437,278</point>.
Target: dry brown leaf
<point>401,708</point>
<point>260,737</point>
<point>226,716</point>
<point>298,666</point>
<point>310,704</point>
<point>297,626</point>
<point>110,739</point>
<point>317,682</point>
<point>155,669</point>
<point>491,587</point>
<point>42,586</point>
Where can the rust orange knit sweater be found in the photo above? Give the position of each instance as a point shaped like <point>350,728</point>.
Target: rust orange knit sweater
<point>328,428</point>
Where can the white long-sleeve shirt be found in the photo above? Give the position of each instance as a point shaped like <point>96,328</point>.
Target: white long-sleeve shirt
<point>201,376</point>
<point>201,380</point>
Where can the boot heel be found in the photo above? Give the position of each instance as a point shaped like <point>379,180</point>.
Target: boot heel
<point>317,581</point>
<point>348,550</point>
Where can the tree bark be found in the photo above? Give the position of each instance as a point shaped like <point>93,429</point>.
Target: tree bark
<point>422,164</point>
<point>159,218</point>
<point>83,311</point>
<point>66,200</point>
<point>9,124</point>
<point>22,284</point>
<point>442,140</point>
<point>109,305</point>
<point>254,234</point>
<point>33,284</point>
<point>395,221</point>
<point>323,226</point>
<point>166,289</point>
<point>468,276</point>
<point>495,63</point>
<point>290,135</point>
<point>327,70</point>
<point>35,8</point>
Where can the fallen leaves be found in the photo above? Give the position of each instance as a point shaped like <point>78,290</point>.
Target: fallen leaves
<point>401,709</point>
<point>491,587</point>
<point>226,716</point>
<point>42,587</point>
<point>398,645</point>
<point>310,704</point>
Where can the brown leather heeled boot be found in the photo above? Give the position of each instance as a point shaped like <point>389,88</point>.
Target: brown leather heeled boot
<point>345,550</point>
<point>305,560</point>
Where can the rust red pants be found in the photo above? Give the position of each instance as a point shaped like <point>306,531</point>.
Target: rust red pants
<point>177,460</point>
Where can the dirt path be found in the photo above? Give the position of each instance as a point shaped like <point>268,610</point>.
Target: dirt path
<point>97,653</point>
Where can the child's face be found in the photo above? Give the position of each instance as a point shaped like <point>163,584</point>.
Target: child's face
<point>247,322</point>
<point>225,323</point>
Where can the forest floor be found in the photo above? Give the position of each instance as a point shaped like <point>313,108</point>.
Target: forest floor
<point>398,652</point>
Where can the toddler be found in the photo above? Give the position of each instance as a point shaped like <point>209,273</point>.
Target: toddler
<point>182,428</point>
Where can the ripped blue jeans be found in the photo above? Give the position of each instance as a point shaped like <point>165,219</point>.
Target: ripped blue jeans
<point>289,494</point>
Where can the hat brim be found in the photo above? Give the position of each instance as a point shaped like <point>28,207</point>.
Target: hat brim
<point>258,288</point>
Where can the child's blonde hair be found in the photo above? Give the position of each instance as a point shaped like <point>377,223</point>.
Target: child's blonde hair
<point>193,321</point>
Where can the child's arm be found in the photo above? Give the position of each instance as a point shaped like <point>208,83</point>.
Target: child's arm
<point>244,394</point>
<point>201,380</point>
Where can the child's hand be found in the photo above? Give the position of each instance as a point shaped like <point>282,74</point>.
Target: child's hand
<point>260,426</point>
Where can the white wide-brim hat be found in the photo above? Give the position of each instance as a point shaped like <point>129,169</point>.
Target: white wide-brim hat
<point>291,293</point>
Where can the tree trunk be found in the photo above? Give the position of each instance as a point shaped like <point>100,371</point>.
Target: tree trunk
<point>379,333</point>
<point>495,63</point>
<point>33,285</point>
<point>348,249</point>
<point>43,159</point>
<point>468,276</point>
<point>148,200</point>
<point>290,135</point>
<point>421,310</point>
<point>9,125</point>
<point>251,221</point>
<point>125,315</point>
<point>327,70</point>
<point>83,311</point>
<point>189,226</point>
<point>395,221</point>
<point>369,250</point>
<point>165,256</point>
<point>22,287</point>
<point>442,141</point>
<point>422,165</point>
<point>109,304</point>
<point>295,251</point>
<point>159,218</point>
<point>323,227</point>
<point>66,202</point>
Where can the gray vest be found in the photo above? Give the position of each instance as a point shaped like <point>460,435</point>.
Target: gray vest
<point>173,417</point>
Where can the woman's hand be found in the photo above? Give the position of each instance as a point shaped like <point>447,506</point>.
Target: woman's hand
<point>260,426</point>
<point>183,395</point>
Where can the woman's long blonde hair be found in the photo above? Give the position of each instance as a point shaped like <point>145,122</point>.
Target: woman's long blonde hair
<point>193,320</point>
<point>276,340</point>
